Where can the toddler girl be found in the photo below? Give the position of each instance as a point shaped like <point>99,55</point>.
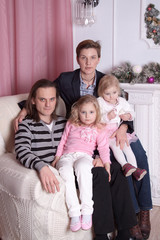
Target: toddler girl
<point>82,134</point>
<point>114,109</point>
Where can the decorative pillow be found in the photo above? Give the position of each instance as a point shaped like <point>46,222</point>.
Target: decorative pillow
<point>2,145</point>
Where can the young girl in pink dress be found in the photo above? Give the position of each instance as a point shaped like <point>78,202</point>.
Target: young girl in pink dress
<point>115,109</point>
<point>82,135</point>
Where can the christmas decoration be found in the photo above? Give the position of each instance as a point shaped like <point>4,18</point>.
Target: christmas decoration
<point>150,79</point>
<point>152,23</point>
<point>151,70</point>
<point>137,69</point>
<point>126,73</point>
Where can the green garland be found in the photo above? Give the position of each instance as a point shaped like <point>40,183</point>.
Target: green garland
<point>152,23</point>
<point>126,74</point>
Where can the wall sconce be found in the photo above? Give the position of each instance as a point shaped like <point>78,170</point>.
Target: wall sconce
<point>85,12</point>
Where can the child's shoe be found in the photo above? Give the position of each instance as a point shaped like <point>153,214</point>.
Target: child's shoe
<point>128,169</point>
<point>75,224</point>
<point>139,174</point>
<point>86,222</point>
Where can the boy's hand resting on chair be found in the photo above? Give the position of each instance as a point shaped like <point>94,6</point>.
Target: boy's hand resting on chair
<point>19,119</point>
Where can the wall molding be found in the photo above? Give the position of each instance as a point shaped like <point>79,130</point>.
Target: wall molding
<point>144,4</point>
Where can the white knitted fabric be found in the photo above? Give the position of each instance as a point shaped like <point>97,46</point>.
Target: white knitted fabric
<point>27,212</point>
<point>2,145</point>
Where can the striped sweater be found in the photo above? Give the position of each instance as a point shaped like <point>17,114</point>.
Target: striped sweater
<point>35,144</point>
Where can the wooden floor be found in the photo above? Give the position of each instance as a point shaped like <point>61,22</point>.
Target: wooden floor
<point>155,223</point>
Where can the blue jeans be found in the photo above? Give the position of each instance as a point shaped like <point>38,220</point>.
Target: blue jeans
<point>140,190</point>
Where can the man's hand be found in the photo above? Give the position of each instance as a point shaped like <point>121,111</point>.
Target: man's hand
<point>19,119</point>
<point>97,162</point>
<point>48,180</point>
<point>121,136</point>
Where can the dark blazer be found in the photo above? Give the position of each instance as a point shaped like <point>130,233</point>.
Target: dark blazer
<point>68,84</point>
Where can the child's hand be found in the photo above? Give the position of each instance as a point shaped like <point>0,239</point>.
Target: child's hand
<point>56,159</point>
<point>125,116</point>
<point>97,162</point>
<point>111,114</point>
<point>107,167</point>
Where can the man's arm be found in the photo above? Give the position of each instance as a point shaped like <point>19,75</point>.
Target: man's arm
<point>30,160</point>
<point>129,125</point>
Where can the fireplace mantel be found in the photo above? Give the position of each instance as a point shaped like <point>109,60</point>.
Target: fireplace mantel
<point>146,101</point>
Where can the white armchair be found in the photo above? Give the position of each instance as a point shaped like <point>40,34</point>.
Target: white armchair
<point>27,212</point>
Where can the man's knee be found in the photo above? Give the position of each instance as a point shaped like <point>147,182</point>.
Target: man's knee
<point>99,174</point>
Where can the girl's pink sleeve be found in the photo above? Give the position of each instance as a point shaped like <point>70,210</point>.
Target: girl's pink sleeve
<point>103,145</point>
<point>63,140</point>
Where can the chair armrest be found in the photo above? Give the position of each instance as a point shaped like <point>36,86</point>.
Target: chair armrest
<point>29,212</point>
<point>21,182</point>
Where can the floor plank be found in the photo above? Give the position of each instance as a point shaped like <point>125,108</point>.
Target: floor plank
<point>155,223</point>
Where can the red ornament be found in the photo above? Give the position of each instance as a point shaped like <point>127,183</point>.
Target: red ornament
<point>150,79</point>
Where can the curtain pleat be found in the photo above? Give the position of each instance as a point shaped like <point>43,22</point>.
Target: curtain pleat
<point>36,42</point>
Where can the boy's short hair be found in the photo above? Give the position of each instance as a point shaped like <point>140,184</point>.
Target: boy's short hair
<point>88,44</point>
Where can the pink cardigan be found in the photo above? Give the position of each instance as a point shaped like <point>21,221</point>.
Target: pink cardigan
<point>84,139</point>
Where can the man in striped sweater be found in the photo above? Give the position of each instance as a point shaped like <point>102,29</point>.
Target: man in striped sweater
<point>39,133</point>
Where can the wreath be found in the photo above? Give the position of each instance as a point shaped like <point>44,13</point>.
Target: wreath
<point>152,23</point>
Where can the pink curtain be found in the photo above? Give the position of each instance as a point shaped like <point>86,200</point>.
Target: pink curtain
<point>36,42</point>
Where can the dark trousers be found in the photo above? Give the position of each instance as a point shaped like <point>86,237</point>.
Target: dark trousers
<point>112,201</point>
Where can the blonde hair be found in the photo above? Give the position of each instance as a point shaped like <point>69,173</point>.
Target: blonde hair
<point>74,118</point>
<point>108,81</point>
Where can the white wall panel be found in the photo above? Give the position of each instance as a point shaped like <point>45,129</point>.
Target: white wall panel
<point>119,28</point>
